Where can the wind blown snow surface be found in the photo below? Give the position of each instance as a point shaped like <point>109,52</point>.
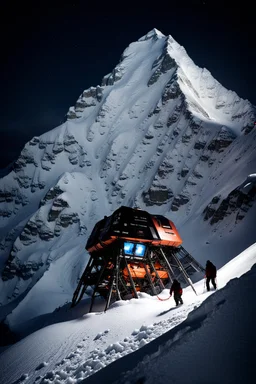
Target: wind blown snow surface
<point>209,339</point>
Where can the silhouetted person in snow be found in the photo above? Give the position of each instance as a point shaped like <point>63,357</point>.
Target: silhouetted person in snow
<point>210,274</point>
<point>177,292</point>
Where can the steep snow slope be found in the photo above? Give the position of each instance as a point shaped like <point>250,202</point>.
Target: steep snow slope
<point>159,133</point>
<point>142,335</point>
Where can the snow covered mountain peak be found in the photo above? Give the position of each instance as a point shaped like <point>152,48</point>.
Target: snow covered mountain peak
<point>156,58</point>
<point>206,97</point>
<point>154,33</point>
<point>159,133</point>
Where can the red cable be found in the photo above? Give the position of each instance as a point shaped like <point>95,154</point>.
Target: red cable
<point>163,299</point>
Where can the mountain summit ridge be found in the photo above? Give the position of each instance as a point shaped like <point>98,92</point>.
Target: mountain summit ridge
<point>203,93</point>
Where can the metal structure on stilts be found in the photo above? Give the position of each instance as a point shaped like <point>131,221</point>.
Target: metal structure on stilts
<point>133,251</point>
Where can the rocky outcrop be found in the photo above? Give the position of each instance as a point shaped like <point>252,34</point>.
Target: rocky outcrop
<point>178,201</point>
<point>224,138</point>
<point>172,90</point>
<point>14,196</point>
<point>89,98</point>
<point>51,194</point>
<point>238,202</point>
<point>248,128</point>
<point>184,172</point>
<point>67,219</point>
<point>57,206</point>
<point>199,144</point>
<point>211,208</point>
<point>113,77</point>
<point>34,230</point>
<point>157,196</point>
<point>49,153</point>
<point>26,157</point>
<point>163,64</point>
<point>15,268</point>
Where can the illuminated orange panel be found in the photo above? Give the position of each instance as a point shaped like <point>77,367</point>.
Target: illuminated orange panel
<point>161,274</point>
<point>136,271</point>
<point>168,236</point>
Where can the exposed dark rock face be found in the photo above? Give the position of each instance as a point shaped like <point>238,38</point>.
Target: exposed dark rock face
<point>26,157</point>
<point>5,213</point>
<point>157,196</point>
<point>34,141</point>
<point>186,138</point>
<point>68,219</point>
<point>15,196</point>
<point>90,98</point>
<point>197,175</point>
<point>35,186</point>
<point>34,230</point>
<point>7,196</point>
<point>51,194</point>
<point>15,268</point>
<point>58,147</point>
<point>182,199</point>
<point>174,116</point>
<point>113,77</point>
<point>165,169</point>
<point>57,206</point>
<point>204,158</point>
<point>70,143</point>
<point>248,128</point>
<point>71,115</point>
<point>222,141</point>
<point>30,230</point>
<point>199,145</point>
<point>163,64</point>
<point>237,202</point>
<point>172,90</point>
<point>6,243</point>
<point>211,207</point>
<point>184,172</point>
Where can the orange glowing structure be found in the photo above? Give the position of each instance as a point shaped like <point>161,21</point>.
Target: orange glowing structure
<point>133,251</point>
<point>133,225</point>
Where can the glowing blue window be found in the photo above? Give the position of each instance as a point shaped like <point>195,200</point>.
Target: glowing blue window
<point>140,250</point>
<point>128,248</point>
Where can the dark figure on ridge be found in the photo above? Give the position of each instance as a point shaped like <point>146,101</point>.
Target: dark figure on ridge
<point>177,292</point>
<point>210,274</point>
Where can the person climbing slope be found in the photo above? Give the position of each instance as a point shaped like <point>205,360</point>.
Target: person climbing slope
<point>177,292</point>
<point>210,275</point>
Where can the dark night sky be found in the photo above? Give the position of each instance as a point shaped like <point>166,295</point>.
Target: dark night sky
<point>51,53</point>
